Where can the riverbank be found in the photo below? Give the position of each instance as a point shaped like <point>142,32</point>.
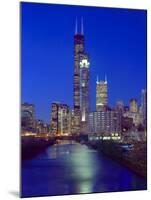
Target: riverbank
<point>135,159</point>
<point>32,146</point>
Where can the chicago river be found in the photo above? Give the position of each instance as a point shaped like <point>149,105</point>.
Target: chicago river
<point>71,168</point>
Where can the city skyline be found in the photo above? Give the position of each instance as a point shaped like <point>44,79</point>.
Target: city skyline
<point>40,81</point>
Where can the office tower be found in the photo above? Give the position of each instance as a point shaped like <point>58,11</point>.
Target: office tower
<point>27,116</point>
<point>101,95</point>
<point>133,106</point>
<point>54,119</point>
<point>104,124</point>
<point>59,119</point>
<point>144,105</point>
<point>81,82</point>
<point>120,111</point>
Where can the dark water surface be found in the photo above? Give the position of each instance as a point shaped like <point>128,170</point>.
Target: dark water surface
<point>72,168</point>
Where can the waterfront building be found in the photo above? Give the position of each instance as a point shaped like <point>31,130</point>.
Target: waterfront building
<point>133,106</point>
<point>81,82</point>
<point>27,116</point>
<point>54,119</point>
<point>59,119</point>
<point>134,135</point>
<point>104,124</point>
<point>101,95</point>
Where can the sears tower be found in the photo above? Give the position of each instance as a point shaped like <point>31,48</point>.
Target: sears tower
<point>81,82</point>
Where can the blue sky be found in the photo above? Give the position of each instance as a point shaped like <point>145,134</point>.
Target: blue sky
<point>115,40</point>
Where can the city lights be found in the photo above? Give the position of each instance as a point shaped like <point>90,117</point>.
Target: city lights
<point>84,100</point>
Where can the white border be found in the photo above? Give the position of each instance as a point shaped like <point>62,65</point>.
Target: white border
<point>9,96</point>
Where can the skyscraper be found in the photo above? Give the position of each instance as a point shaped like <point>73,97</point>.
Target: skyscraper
<point>120,111</point>
<point>101,95</point>
<point>133,112</point>
<point>81,82</point>
<point>27,116</point>
<point>133,106</point>
<point>59,119</point>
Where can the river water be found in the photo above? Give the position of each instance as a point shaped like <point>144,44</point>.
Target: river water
<point>72,168</point>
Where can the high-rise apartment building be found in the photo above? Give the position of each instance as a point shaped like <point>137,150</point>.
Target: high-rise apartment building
<point>59,119</point>
<point>104,124</point>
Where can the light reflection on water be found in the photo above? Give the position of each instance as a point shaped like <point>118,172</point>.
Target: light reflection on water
<point>70,168</point>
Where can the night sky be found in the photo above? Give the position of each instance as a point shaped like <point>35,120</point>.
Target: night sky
<point>115,40</point>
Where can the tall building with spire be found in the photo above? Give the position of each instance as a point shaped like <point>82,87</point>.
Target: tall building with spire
<point>81,82</point>
<point>101,95</point>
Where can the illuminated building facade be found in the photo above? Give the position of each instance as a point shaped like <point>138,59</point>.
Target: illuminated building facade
<point>54,119</point>
<point>104,124</point>
<point>84,93</point>
<point>42,128</point>
<point>59,119</point>
<point>81,83</point>
<point>27,116</point>
<point>101,95</point>
<point>133,106</point>
<point>133,113</point>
